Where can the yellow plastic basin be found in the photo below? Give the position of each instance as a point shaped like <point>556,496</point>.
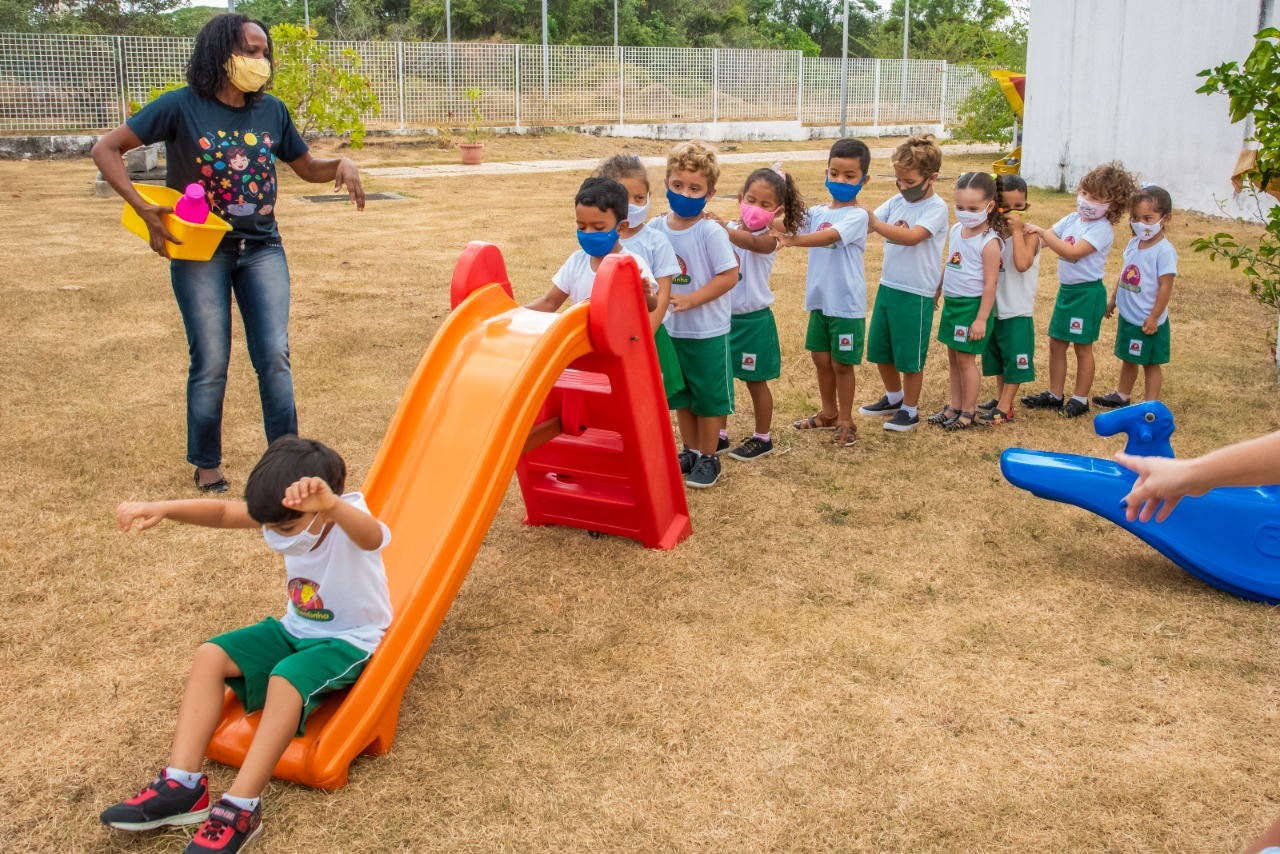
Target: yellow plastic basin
<point>198,241</point>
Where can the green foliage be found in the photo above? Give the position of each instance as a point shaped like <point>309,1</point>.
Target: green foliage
<point>473,96</point>
<point>156,92</point>
<point>1250,91</point>
<point>985,115</point>
<point>324,92</point>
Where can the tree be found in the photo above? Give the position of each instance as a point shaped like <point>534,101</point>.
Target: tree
<point>324,92</point>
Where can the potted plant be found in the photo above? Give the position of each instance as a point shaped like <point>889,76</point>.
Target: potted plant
<point>473,148</point>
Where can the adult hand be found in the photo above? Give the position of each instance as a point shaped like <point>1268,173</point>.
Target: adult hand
<point>1161,483</point>
<point>153,216</point>
<point>349,176</point>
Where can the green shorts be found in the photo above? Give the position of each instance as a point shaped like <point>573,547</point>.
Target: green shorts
<point>754,354</point>
<point>668,362</point>
<point>958,314</point>
<point>1138,348</point>
<point>1011,350</point>
<point>901,326</point>
<point>1078,312</point>
<point>314,666</point>
<point>842,337</point>
<point>708,384</point>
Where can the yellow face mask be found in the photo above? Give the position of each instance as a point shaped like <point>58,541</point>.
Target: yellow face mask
<point>247,74</point>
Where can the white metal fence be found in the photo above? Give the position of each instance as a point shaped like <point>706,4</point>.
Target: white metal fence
<point>69,82</point>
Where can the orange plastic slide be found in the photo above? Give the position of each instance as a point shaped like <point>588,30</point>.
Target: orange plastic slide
<point>437,481</point>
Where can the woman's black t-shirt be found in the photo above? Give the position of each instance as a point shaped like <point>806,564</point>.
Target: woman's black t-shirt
<point>230,151</point>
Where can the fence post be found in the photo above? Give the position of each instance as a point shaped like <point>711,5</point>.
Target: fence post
<point>715,84</point>
<point>122,83</point>
<point>800,88</point>
<point>400,78</point>
<point>875,99</point>
<point>517,87</point>
<point>942,102</point>
<point>622,80</point>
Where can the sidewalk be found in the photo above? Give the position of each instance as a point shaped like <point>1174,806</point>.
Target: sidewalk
<point>514,167</point>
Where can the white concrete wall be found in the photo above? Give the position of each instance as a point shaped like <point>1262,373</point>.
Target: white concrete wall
<point>1116,80</point>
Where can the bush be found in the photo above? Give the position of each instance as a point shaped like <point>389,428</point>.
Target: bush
<point>325,93</point>
<point>985,115</point>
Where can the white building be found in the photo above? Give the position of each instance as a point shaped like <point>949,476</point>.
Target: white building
<point>1116,80</point>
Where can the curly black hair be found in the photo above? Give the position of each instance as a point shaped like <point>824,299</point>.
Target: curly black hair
<point>217,40</point>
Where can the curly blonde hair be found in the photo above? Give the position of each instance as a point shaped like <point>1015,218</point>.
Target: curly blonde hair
<point>1111,182</point>
<point>919,153</point>
<point>695,156</point>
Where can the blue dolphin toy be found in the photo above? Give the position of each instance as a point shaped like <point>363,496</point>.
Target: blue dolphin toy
<point>1229,537</point>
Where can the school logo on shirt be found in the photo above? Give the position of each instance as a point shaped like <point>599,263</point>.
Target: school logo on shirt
<point>683,278</point>
<point>1070,240</point>
<point>1135,346</point>
<point>748,361</point>
<point>1076,326</point>
<point>961,333</point>
<point>955,262</point>
<point>1023,362</point>
<point>304,595</point>
<point>1000,272</point>
<point>1131,279</point>
<point>845,343</point>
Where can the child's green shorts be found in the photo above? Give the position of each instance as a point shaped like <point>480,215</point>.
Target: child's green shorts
<point>708,384</point>
<point>754,353</point>
<point>842,337</point>
<point>1138,348</point>
<point>958,314</point>
<point>1078,312</point>
<point>314,666</point>
<point>668,362</point>
<point>901,326</point>
<point>1011,350</point>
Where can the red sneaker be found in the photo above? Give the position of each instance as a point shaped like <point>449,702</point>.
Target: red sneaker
<point>160,803</point>
<point>228,830</point>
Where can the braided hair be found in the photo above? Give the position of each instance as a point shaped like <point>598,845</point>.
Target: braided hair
<point>784,187</point>
<point>990,189</point>
<point>217,40</point>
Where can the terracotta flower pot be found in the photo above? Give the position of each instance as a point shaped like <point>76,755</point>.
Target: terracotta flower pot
<point>472,153</point>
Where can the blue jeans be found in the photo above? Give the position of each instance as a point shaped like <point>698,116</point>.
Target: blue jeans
<point>258,275</point>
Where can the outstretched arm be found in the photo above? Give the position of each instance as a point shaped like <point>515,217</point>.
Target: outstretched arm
<point>1160,479</point>
<point>341,171</point>
<point>206,512</point>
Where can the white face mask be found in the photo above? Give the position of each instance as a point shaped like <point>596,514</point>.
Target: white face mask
<point>1091,210</point>
<point>1144,231</point>
<point>637,214</point>
<point>298,544</point>
<point>972,219</point>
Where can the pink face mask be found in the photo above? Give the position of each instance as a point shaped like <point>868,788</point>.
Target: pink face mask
<point>755,217</point>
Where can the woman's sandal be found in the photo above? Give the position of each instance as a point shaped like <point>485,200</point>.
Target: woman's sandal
<point>958,423</point>
<point>845,436</point>
<point>219,486</point>
<point>943,415</point>
<point>815,422</point>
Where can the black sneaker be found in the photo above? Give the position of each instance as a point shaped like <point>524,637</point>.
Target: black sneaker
<point>1111,400</point>
<point>880,407</point>
<point>687,459</point>
<point>752,448</point>
<point>994,417</point>
<point>989,405</point>
<point>706,471</point>
<point>228,830</point>
<point>1074,408</point>
<point>160,803</point>
<point>722,444</point>
<point>1043,400</point>
<point>901,422</point>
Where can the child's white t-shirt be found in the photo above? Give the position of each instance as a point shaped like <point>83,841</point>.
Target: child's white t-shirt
<point>576,278</point>
<point>1140,280</point>
<point>655,249</point>
<point>703,251</point>
<point>963,274</point>
<point>914,269</point>
<point>754,268</point>
<point>836,281</point>
<point>339,590</point>
<point>1097,233</point>
<point>1016,292</point>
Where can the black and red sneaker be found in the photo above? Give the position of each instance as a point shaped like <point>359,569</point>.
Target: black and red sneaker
<point>229,829</point>
<point>160,803</point>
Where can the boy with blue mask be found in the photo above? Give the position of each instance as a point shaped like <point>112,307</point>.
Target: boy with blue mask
<point>701,313</point>
<point>836,288</point>
<point>339,608</point>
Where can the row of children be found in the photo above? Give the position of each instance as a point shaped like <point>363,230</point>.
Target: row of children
<point>710,299</point>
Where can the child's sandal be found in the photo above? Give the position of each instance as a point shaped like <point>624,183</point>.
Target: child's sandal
<point>845,436</point>
<point>943,415</point>
<point>958,423</point>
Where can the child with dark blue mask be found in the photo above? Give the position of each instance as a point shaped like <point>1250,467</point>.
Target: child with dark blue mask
<point>600,207</point>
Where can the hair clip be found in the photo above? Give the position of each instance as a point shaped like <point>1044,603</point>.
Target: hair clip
<point>777,167</point>
<point>1146,185</point>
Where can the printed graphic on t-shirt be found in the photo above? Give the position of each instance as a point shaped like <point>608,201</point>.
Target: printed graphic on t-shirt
<point>824,227</point>
<point>955,262</point>
<point>1131,279</point>
<point>748,361</point>
<point>1023,362</point>
<point>683,278</point>
<point>1076,326</point>
<point>1135,346</point>
<point>845,343</point>
<point>961,333</point>
<point>237,172</point>
<point>304,595</point>
<point>1070,240</point>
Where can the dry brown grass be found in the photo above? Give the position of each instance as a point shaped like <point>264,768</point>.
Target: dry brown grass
<point>883,649</point>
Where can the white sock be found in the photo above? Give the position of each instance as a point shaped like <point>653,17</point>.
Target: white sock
<point>190,779</point>
<point>1079,398</point>
<point>910,410</point>
<point>895,397</point>
<point>1122,396</point>
<point>249,804</point>
<point>1055,396</point>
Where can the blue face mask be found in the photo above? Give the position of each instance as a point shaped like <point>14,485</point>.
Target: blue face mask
<point>845,192</point>
<point>598,244</point>
<point>684,206</point>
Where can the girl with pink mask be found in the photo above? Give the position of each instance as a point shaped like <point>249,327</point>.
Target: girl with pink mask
<point>769,203</point>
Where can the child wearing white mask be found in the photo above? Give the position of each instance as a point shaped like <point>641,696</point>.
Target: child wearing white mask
<point>339,608</point>
<point>1081,240</point>
<point>1142,295</point>
<point>968,283</point>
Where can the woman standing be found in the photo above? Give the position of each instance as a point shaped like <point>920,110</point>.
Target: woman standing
<point>225,133</point>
